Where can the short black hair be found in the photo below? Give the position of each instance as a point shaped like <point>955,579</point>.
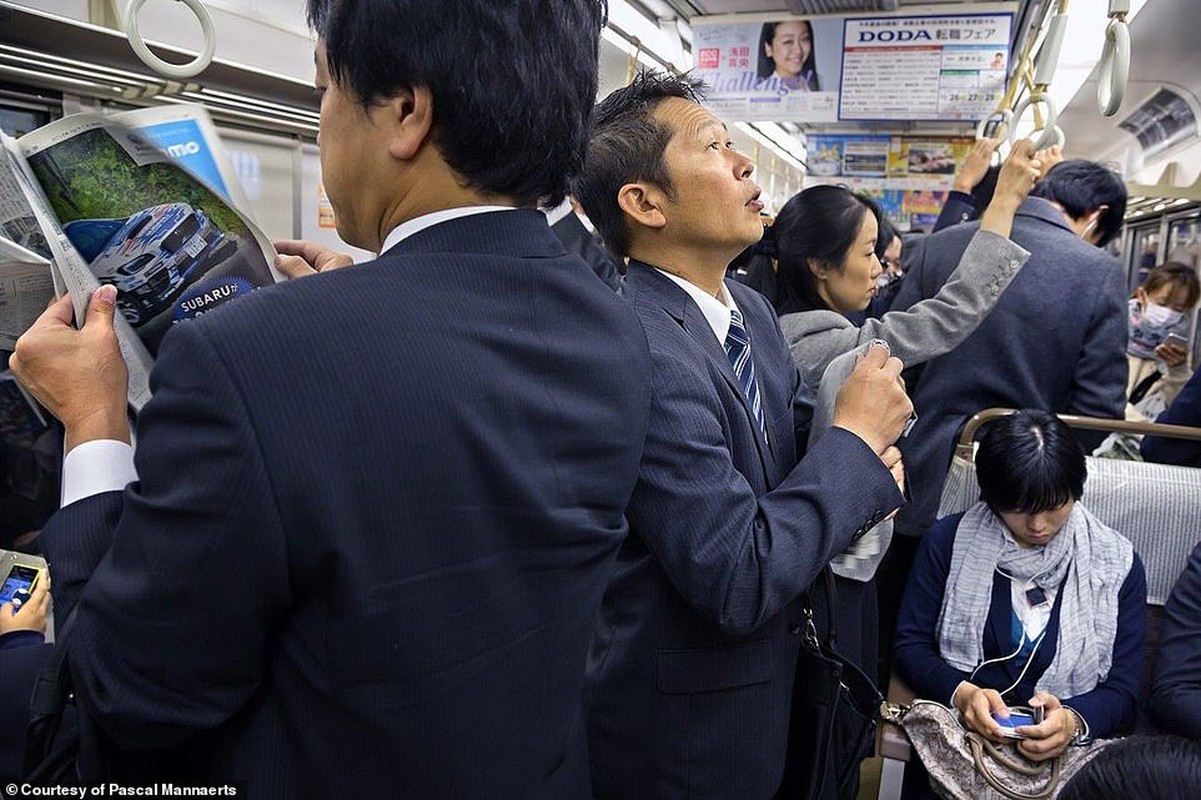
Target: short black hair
<point>887,232</point>
<point>626,145</point>
<point>1082,187</point>
<point>820,223</point>
<point>513,82</point>
<point>1028,463</point>
<point>1146,767</point>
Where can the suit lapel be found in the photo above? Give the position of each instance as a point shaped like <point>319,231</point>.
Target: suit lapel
<point>683,309</point>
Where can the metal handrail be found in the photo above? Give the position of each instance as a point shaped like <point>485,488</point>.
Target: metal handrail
<point>963,448</point>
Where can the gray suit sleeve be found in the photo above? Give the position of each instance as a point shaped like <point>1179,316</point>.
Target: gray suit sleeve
<point>928,328</point>
<point>1099,376</point>
<point>937,325</point>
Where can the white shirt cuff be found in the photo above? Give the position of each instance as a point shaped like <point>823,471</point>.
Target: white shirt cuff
<point>95,467</point>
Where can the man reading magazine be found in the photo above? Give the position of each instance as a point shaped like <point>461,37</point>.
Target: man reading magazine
<point>376,509</point>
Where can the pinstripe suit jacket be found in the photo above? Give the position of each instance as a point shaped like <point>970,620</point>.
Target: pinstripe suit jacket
<point>691,672</point>
<point>378,509</point>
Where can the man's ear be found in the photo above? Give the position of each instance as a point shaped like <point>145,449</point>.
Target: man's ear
<point>642,203</point>
<point>411,113</point>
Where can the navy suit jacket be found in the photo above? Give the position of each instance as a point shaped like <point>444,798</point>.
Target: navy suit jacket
<point>1107,708</point>
<point>1055,341</point>
<point>691,673</point>
<point>377,512</point>
<point>1175,700</point>
<point>1185,410</point>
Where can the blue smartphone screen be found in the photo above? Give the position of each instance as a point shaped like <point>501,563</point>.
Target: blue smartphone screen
<point>1015,720</point>
<point>20,579</point>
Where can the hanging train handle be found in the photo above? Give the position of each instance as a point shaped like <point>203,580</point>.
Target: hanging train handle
<point>1114,68</point>
<point>165,68</point>
<point>1044,71</point>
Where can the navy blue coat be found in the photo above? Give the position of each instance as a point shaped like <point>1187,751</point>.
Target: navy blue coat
<point>1175,701</point>
<point>691,674</point>
<point>1185,410</point>
<point>377,512</point>
<point>1107,708</point>
<point>1055,341</point>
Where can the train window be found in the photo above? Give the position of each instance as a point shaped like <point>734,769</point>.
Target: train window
<point>1184,241</point>
<point>1145,247</point>
<point>20,121</point>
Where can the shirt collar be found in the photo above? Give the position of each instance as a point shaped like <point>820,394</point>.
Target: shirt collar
<point>411,226</point>
<point>716,311</point>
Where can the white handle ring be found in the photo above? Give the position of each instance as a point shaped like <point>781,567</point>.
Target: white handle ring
<point>1114,68</point>
<point>165,68</point>
<point>1052,118</point>
<point>1052,135</point>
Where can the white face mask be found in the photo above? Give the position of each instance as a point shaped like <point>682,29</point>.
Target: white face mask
<point>1161,316</point>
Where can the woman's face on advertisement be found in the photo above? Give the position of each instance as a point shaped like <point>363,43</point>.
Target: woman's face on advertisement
<point>789,48</point>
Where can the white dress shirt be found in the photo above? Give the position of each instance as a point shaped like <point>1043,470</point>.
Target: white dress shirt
<point>106,465</point>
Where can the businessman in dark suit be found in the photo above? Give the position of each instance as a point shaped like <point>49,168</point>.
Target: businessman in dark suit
<point>377,507</point>
<point>1055,341</point>
<point>691,673</point>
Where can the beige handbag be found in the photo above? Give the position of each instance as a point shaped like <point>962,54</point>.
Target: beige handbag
<point>963,765</point>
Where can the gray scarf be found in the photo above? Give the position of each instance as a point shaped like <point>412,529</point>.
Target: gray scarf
<point>1088,562</point>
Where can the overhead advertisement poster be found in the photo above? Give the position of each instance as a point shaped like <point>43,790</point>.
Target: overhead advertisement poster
<point>924,68</point>
<point>780,70</point>
<point>909,176</point>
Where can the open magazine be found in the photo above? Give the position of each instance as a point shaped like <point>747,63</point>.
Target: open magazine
<point>145,201</point>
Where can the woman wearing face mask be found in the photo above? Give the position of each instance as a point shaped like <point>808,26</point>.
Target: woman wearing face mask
<point>1027,599</point>
<point>1158,309</point>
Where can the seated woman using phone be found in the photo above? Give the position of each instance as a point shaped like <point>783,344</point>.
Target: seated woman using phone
<point>1159,325</point>
<point>1026,598</point>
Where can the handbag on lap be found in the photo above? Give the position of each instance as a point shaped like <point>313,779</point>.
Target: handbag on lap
<point>963,765</point>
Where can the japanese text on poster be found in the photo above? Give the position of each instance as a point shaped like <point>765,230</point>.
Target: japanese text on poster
<point>924,68</point>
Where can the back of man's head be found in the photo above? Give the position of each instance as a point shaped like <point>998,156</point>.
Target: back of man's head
<point>627,145</point>
<point>513,82</point>
<point>1081,187</point>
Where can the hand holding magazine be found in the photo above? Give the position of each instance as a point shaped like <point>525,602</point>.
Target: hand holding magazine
<point>107,200</point>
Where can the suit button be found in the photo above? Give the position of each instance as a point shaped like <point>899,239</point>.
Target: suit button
<point>794,629</point>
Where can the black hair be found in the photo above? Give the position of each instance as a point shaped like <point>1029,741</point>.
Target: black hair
<point>766,65</point>
<point>1028,463</point>
<point>513,83</point>
<point>820,223</point>
<point>1146,767</point>
<point>884,238</point>
<point>1082,187</point>
<point>627,144</point>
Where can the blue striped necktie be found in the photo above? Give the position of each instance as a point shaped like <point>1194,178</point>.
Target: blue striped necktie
<point>738,350</point>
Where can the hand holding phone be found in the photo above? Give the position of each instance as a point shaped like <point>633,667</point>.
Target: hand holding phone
<point>1019,716</point>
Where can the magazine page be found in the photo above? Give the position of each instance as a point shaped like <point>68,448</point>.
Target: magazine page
<point>26,282</point>
<point>186,134</point>
<point>133,218</point>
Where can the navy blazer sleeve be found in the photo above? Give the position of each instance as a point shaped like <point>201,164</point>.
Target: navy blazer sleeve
<point>1175,699</point>
<point>737,559</point>
<point>915,649</point>
<point>178,548</point>
<point>1185,410</point>
<point>959,208</point>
